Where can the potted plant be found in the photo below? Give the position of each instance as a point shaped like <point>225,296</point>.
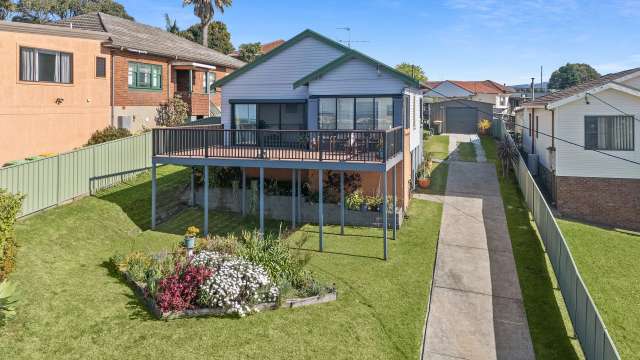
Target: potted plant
<point>380,148</point>
<point>424,178</point>
<point>483,126</point>
<point>190,239</point>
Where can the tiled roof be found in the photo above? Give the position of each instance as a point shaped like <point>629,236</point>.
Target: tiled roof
<point>559,95</point>
<point>481,87</point>
<point>132,35</point>
<point>270,46</point>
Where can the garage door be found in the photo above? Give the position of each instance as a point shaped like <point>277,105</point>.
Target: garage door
<point>461,120</point>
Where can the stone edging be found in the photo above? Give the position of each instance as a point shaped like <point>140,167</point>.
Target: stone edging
<point>139,290</point>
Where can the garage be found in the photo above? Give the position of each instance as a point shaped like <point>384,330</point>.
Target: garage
<point>461,120</point>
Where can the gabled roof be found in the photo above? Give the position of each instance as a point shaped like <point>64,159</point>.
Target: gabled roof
<point>136,36</point>
<point>265,48</point>
<point>14,26</point>
<point>582,88</point>
<point>481,87</point>
<point>348,54</point>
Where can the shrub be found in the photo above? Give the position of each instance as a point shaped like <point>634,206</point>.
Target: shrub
<point>7,301</point>
<point>10,205</point>
<point>221,244</point>
<point>354,200</point>
<point>173,113</point>
<point>108,134</point>
<point>136,264</point>
<point>237,286</point>
<point>374,202</point>
<point>178,292</point>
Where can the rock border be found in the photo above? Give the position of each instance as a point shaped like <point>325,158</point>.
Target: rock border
<point>139,290</point>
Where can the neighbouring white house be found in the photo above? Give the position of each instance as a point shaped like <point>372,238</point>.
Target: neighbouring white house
<point>570,131</point>
<point>315,85</point>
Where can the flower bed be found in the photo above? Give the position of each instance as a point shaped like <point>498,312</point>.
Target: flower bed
<point>224,276</point>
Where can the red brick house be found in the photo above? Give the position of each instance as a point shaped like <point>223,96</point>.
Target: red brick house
<point>150,65</point>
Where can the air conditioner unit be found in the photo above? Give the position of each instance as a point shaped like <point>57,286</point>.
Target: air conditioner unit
<point>532,164</point>
<point>124,122</point>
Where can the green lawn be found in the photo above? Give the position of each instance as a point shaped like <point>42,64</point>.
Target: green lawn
<point>549,324</point>
<point>489,146</point>
<point>608,262</point>
<point>466,152</point>
<point>438,146</point>
<point>73,306</point>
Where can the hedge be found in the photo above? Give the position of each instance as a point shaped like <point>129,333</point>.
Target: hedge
<point>10,206</point>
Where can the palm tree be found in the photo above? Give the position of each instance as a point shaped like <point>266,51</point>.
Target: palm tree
<point>204,9</point>
<point>170,26</point>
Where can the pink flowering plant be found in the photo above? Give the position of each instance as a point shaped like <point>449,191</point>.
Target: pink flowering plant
<point>179,291</point>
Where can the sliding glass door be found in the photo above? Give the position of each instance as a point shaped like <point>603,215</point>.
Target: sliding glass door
<point>269,116</point>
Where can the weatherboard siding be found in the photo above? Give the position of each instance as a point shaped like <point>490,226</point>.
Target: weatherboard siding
<point>449,90</point>
<point>575,161</point>
<point>356,77</point>
<point>274,78</point>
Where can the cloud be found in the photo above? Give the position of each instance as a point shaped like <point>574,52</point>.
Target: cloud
<point>630,62</point>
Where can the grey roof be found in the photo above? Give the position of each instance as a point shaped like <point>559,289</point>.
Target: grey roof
<point>132,35</point>
<point>559,95</point>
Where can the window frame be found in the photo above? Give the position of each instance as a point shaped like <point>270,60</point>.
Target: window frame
<point>373,97</point>
<point>257,105</point>
<point>105,67</point>
<point>37,68</point>
<point>136,71</point>
<point>632,120</point>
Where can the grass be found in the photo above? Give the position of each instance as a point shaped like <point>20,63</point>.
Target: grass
<point>549,323</point>
<point>72,305</point>
<point>489,146</point>
<point>466,152</point>
<point>438,146</point>
<point>608,262</point>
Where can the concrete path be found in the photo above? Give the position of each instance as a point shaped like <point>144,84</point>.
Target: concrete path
<point>476,309</point>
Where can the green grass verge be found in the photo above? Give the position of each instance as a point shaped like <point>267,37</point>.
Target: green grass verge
<point>608,263</point>
<point>438,146</point>
<point>489,146</point>
<point>72,306</point>
<point>466,152</point>
<point>549,323</point>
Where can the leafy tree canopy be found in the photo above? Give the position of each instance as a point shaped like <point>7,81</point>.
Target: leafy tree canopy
<point>6,7</point>
<point>219,37</point>
<point>415,71</point>
<point>249,52</point>
<point>43,11</point>
<point>572,74</point>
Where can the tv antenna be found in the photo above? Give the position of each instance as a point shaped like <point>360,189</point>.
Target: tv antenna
<point>348,42</point>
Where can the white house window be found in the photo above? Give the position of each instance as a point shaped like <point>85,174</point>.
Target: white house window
<point>360,113</point>
<point>40,65</point>
<point>609,133</point>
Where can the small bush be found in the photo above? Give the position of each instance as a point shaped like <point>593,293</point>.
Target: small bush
<point>7,301</point>
<point>179,291</point>
<point>221,244</point>
<point>10,206</point>
<point>173,113</point>
<point>108,134</point>
<point>354,200</point>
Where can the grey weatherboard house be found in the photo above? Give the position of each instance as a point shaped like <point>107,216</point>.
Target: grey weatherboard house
<point>309,106</point>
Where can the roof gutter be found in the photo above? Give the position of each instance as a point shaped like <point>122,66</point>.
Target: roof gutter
<point>170,56</point>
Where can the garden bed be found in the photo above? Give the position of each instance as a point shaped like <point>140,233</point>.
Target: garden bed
<point>141,292</point>
<point>223,275</point>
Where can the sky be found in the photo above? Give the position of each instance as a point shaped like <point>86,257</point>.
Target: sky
<point>506,41</point>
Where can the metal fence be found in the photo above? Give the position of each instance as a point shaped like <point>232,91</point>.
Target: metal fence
<point>54,180</point>
<point>587,322</point>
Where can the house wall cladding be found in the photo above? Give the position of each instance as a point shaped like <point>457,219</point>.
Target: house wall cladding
<point>55,180</point>
<point>614,202</point>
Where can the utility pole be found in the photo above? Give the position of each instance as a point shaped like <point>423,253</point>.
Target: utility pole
<point>541,81</point>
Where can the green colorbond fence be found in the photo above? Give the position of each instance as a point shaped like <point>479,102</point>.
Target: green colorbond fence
<point>587,322</point>
<point>57,179</point>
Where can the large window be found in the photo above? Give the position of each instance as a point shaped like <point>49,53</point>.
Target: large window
<point>244,116</point>
<point>145,76</point>
<point>360,113</point>
<point>41,65</point>
<point>609,132</point>
<point>273,116</point>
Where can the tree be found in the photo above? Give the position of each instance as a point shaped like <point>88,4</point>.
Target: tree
<point>572,74</point>
<point>6,8</point>
<point>173,113</point>
<point>249,52</point>
<point>44,11</point>
<point>219,37</point>
<point>415,71</point>
<point>169,26</point>
<point>204,9</point>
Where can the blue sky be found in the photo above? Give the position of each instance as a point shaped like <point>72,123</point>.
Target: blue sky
<point>505,41</point>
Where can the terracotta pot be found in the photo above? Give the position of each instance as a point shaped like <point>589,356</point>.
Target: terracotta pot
<point>424,183</point>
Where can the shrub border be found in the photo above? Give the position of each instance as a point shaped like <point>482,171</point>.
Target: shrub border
<point>140,289</point>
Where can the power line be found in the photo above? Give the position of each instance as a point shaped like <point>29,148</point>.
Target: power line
<point>540,132</point>
<point>611,106</point>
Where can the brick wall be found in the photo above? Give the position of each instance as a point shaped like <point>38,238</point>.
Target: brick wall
<point>607,201</point>
<point>123,96</point>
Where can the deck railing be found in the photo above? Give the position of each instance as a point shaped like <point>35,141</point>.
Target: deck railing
<point>313,145</point>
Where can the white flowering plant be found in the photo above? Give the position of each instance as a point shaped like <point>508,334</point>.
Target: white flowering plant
<point>237,285</point>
